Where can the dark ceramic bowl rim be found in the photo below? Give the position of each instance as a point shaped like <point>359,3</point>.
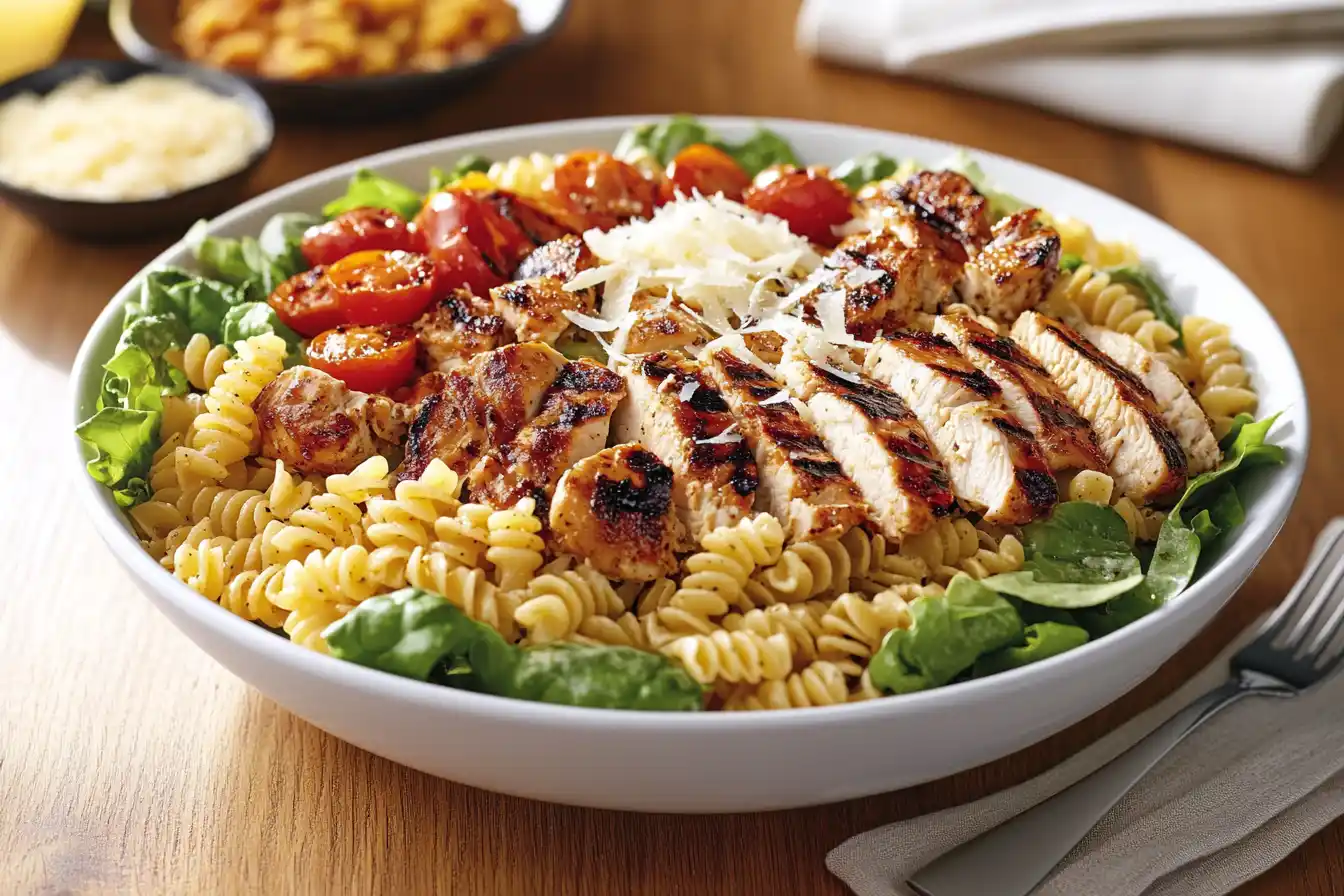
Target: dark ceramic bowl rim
<point>220,82</point>
<point>137,46</point>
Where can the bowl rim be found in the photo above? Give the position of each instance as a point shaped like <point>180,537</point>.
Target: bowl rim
<point>223,83</point>
<point>136,45</point>
<point>1242,553</point>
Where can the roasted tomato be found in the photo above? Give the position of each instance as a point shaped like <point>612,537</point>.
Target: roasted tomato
<point>383,287</point>
<point>306,302</point>
<point>707,170</point>
<point>367,359</point>
<point>810,202</point>
<point>524,223</point>
<point>359,230</point>
<point>459,238</point>
<point>600,190</point>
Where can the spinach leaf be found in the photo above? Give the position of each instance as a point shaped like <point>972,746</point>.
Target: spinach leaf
<point>418,634</point>
<point>1116,614</point>
<point>1041,641</point>
<point>367,189</point>
<point>1158,301</point>
<point>865,169</point>
<point>1070,263</point>
<point>1060,595</point>
<point>947,634</point>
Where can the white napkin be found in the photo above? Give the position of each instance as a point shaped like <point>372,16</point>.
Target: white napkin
<point>1228,803</point>
<point>1258,78</point>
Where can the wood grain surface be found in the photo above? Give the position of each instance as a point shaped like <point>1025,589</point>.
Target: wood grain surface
<point>130,762</point>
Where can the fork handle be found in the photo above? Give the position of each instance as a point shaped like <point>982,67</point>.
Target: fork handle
<point>1012,859</point>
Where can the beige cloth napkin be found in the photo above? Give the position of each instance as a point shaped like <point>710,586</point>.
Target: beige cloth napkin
<point>1258,78</point>
<point>1228,803</point>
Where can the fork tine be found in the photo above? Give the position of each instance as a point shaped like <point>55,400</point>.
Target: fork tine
<point>1304,599</point>
<point>1318,639</point>
<point>1324,582</point>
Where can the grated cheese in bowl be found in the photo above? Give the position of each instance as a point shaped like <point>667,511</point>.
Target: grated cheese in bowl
<point>144,138</point>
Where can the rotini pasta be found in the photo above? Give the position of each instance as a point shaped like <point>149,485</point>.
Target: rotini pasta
<point>817,684</point>
<point>1076,238</point>
<point>226,432</point>
<point>994,557</point>
<point>715,577</point>
<point>853,628</point>
<point>739,656</point>
<point>1112,305</point>
<point>557,604</point>
<point>515,547</point>
<point>202,362</point>
<point>1224,384</point>
<point>524,175</point>
<point>804,571</point>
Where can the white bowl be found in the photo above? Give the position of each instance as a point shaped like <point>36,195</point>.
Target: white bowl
<point>731,762</point>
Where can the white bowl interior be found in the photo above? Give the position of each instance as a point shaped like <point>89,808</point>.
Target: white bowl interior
<point>372,709</point>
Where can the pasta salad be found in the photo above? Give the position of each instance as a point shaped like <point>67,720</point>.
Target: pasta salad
<point>682,426</point>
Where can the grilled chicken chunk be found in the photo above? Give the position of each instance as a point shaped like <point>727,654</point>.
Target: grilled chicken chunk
<point>879,444</point>
<point>561,258</point>
<point>1180,411</point>
<point>317,424</point>
<point>663,329</point>
<point>535,308</point>
<point>802,484</point>
<point>994,462</point>
<point>1027,392</point>
<point>614,509</point>
<point>571,424</point>
<point>675,409</point>
<point>457,329</point>
<point>1144,456</point>
<point>944,200</point>
<point>482,405</point>
<point>1015,270</point>
<point>880,282</point>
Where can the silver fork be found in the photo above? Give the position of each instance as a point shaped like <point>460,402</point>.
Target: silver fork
<point>1298,646</point>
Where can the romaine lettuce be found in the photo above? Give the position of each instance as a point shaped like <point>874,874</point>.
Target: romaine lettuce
<point>666,138</point>
<point>368,189</point>
<point>419,634</point>
<point>254,266</point>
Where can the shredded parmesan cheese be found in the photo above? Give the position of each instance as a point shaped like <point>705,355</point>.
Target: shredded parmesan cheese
<point>727,437</point>
<point>687,391</point>
<point>778,398</point>
<point>150,136</point>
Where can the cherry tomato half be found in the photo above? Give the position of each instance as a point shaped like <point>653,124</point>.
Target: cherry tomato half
<point>367,359</point>
<point>707,170</point>
<point>307,303</point>
<point>810,202</point>
<point>461,242</point>
<point>600,190</point>
<point>383,287</point>
<point>359,230</point>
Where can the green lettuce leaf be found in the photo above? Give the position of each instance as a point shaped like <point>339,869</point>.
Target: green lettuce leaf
<point>759,151</point>
<point>124,442</point>
<point>1060,595</point>
<point>865,169</point>
<point>368,189</point>
<point>254,266</point>
<point>1070,263</point>
<point>197,302</point>
<point>947,634</point>
<point>418,634</point>
<point>1041,641</point>
<point>1118,613</point>
<point>664,139</point>
<point>255,319</point>
<point>281,241</point>
<point>1158,301</point>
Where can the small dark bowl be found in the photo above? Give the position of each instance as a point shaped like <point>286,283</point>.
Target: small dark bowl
<point>144,30</point>
<point>120,221</point>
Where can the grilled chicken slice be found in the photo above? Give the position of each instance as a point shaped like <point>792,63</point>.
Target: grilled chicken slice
<point>482,405</point>
<point>995,464</point>
<point>879,282</point>
<point>614,509</point>
<point>802,484</point>
<point>879,444</point>
<point>662,327</point>
<point>561,258</point>
<point>1027,392</point>
<point>457,329</point>
<point>766,345</point>
<point>1015,270</point>
<point>675,409</point>
<point>1144,456</point>
<point>1180,411</point>
<point>944,200</point>
<point>572,424</point>
<point>317,424</point>
<point>534,309</point>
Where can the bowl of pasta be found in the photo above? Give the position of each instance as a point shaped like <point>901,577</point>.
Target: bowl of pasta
<point>688,465</point>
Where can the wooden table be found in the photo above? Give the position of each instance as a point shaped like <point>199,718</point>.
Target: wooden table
<point>129,761</point>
